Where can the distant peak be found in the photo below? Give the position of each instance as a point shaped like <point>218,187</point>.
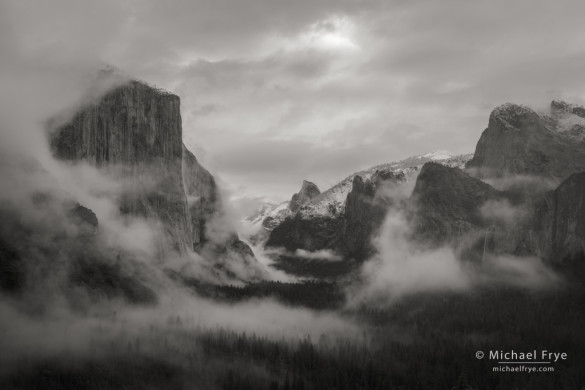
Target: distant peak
<point>309,185</point>
<point>510,114</point>
<point>438,155</point>
<point>560,107</point>
<point>308,191</point>
<point>508,109</point>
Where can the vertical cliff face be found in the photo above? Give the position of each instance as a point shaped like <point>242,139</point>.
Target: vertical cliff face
<point>558,226</point>
<point>365,210</point>
<point>518,141</point>
<point>134,132</point>
<point>445,209</point>
<point>449,207</point>
<point>213,236</point>
<point>202,196</point>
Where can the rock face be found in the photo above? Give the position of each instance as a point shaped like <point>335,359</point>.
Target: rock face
<point>213,236</point>
<point>569,119</point>
<point>559,107</point>
<point>518,141</point>
<point>312,234</point>
<point>308,191</point>
<point>56,250</point>
<point>349,233</point>
<point>558,225</point>
<point>446,205</point>
<point>134,132</point>
<point>365,209</point>
<point>449,207</point>
<point>12,268</point>
<point>202,196</point>
<point>331,203</point>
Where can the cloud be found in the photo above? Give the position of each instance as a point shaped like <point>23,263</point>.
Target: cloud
<point>402,268</point>
<point>424,75</point>
<point>502,211</point>
<point>526,272</point>
<point>322,254</point>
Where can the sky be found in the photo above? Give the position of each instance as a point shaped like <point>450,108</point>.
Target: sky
<point>274,92</point>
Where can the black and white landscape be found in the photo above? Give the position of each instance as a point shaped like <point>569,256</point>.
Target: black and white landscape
<point>292,195</point>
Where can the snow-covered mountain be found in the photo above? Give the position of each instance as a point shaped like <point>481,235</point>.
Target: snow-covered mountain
<point>332,201</point>
<point>270,213</point>
<point>438,155</point>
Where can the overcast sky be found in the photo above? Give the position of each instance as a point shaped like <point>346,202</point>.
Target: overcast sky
<point>274,92</point>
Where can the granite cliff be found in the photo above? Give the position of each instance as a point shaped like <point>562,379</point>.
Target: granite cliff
<point>445,204</point>
<point>308,191</point>
<point>519,141</point>
<point>347,233</point>
<point>558,225</point>
<point>134,134</point>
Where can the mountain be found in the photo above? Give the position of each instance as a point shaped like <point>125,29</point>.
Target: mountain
<point>332,201</point>
<point>134,134</point>
<point>344,218</point>
<point>438,155</point>
<point>445,204</point>
<point>308,191</point>
<point>271,214</point>
<point>365,210</point>
<point>558,224</point>
<point>202,195</point>
<point>519,141</point>
<point>51,249</point>
<point>569,119</point>
<point>451,205</point>
<point>347,233</point>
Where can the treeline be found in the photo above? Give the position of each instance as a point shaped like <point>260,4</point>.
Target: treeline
<point>426,342</point>
<point>422,342</point>
<point>318,295</point>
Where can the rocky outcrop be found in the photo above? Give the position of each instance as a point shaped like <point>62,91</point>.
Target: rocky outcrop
<point>365,210</point>
<point>559,107</point>
<point>202,196</point>
<point>134,133</point>
<point>50,246</point>
<point>308,191</point>
<point>349,233</point>
<point>450,208</point>
<point>213,236</point>
<point>446,205</point>
<point>569,120</point>
<point>295,232</point>
<point>558,224</point>
<point>518,141</point>
<point>12,268</point>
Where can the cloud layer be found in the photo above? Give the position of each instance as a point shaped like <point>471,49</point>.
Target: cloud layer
<point>276,92</point>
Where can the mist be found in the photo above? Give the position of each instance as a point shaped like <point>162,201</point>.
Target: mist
<point>57,316</point>
<point>401,267</point>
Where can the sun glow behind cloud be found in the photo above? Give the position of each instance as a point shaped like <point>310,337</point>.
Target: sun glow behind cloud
<point>333,33</point>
